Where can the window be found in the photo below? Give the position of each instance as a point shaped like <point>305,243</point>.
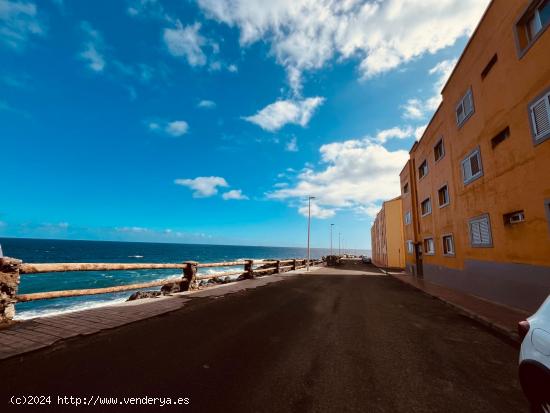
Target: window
<point>540,118</point>
<point>443,196</point>
<point>538,19</point>
<point>423,169</point>
<point>465,108</point>
<point>502,136</point>
<point>406,188</point>
<point>426,207</point>
<point>471,167</point>
<point>532,24</point>
<point>410,247</point>
<point>480,232</point>
<point>513,218</point>
<point>448,245</point>
<point>489,66</point>
<point>439,150</point>
<point>429,246</point>
<point>408,218</point>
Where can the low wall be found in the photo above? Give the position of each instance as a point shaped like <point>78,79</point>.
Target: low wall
<point>517,285</point>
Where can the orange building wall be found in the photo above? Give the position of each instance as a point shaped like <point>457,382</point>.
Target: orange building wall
<point>516,173</point>
<point>387,236</point>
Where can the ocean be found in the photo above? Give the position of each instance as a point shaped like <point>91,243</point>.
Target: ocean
<point>49,251</point>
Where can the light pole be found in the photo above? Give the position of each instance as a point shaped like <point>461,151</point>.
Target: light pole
<point>339,250</point>
<point>309,198</point>
<point>331,226</point>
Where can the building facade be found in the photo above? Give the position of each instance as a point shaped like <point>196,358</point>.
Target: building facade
<point>476,189</point>
<point>387,236</point>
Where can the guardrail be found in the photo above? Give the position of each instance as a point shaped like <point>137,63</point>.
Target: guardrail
<point>11,269</point>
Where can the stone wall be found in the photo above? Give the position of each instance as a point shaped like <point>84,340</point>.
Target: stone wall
<point>9,282</point>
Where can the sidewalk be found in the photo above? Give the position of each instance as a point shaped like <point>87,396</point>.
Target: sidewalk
<point>500,318</point>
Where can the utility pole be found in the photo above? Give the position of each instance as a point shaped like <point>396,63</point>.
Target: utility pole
<point>309,198</point>
<point>339,244</point>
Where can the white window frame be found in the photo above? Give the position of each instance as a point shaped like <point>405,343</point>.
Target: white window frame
<point>427,169</point>
<point>448,196</point>
<point>477,220</point>
<point>461,104</point>
<point>410,247</point>
<point>408,218</point>
<point>539,137</point>
<point>466,160</point>
<point>539,25</point>
<point>426,251</point>
<point>429,199</point>
<point>452,251</point>
<point>440,141</point>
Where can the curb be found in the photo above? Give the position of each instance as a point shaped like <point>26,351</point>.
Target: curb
<point>500,330</point>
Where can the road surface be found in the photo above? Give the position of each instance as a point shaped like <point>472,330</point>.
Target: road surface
<point>333,341</point>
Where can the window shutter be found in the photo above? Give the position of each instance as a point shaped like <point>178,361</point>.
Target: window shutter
<point>468,104</point>
<point>540,112</point>
<point>475,233</point>
<point>466,170</point>
<point>485,231</point>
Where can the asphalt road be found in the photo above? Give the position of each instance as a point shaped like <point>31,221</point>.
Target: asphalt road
<point>334,341</point>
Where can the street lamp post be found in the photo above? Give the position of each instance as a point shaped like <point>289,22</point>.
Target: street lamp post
<point>331,225</point>
<point>339,250</point>
<point>309,198</point>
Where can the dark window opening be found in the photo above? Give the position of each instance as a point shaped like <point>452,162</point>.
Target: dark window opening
<point>439,150</point>
<point>423,169</point>
<point>406,188</point>
<point>489,66</point>
<point>515,217</point>
<point>500,137</point>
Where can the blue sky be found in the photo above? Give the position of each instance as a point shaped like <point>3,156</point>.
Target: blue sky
<point>212,120</point>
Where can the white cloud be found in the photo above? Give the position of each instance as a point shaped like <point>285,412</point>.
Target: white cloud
<point>19,22</point>
<point>203,186</point>
<point>394,133</point>
<point>276,115</point>
<point>305,35</point>
<point>148,8</point>
<point>316,211</point>
<point>233,68</point>
<point>235,194</point>
<point>418,132</point>
<point>93,48</point>
<point>186,42</point>
<point>207,104</point>
<point>174,128</point>
<point>354,174</point>
<point>420,109</point>
<point>292,145</point>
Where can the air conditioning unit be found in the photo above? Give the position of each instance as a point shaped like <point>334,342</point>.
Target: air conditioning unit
<point>516,218</point>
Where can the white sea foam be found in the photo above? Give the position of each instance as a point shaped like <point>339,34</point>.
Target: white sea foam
<point>135,256</point>
<point>85,305</point>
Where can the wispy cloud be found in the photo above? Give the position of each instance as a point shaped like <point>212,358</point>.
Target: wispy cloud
<point>203,186</point>
<point>235,194</point>
<point>206,104</point>
<point>276,115</point>
<point>174,128</point>
<point>93,48</point>
<point>186,42</point>
<point>292,145</point>
<point>19,23</point>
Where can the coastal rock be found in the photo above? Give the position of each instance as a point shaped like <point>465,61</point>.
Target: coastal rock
<point>144,294</point>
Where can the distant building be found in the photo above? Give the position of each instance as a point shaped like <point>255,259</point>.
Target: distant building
<point>476,190</point>
<point>387,236</point>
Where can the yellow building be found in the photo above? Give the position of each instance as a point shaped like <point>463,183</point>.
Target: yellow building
<point>387,236</point>
<point>476,190</point>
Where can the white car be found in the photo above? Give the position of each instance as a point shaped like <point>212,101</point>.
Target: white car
<point>534,358</point>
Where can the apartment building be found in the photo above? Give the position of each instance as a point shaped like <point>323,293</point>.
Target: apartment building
<point>476,189</point>
<point>387,236</point>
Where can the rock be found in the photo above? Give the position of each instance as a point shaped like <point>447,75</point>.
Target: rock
<point>143,294</point>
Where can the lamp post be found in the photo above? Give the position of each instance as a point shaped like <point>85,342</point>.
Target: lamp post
<point>331,226</point>
<point>339,248</point>
<point>309,198</point>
